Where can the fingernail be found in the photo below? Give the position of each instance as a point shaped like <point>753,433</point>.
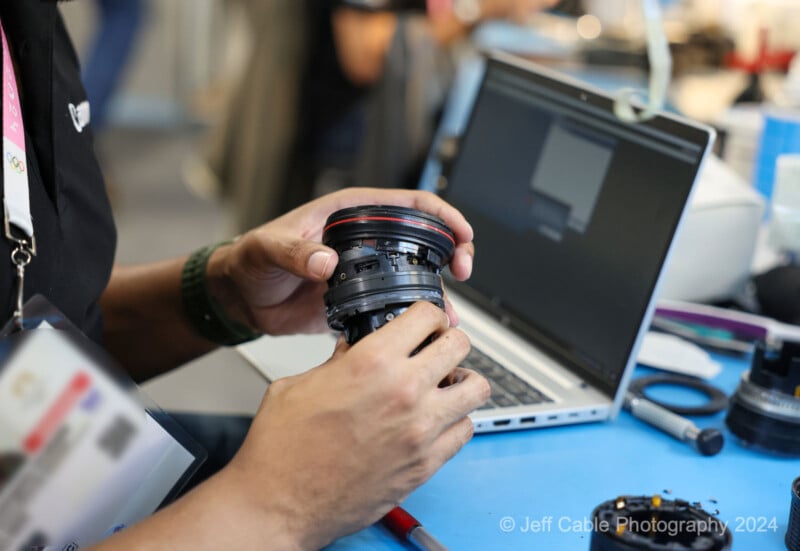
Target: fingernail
<point>468,265</point>
<point>318,263</point>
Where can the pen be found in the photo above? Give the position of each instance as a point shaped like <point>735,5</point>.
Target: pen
<point>400,523</point>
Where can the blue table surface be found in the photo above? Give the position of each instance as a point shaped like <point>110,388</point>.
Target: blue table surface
<point>493,493</point>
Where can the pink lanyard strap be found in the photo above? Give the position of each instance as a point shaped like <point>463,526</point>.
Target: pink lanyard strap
<point>16,194</point>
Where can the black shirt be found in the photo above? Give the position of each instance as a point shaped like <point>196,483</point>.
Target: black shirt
<point>75,234</point>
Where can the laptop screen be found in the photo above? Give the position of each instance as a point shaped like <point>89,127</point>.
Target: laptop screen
<point>573,212</point>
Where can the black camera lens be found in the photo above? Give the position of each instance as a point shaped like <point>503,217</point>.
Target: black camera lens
<point>793,532</point>
<point>389,258</point>
<point>765,409</point>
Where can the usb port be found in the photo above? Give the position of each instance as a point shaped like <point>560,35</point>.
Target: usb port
<point>502,423</point>
<point>527,420</point>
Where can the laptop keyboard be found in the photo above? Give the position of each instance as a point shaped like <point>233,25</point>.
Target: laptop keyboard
<point>508,390</point>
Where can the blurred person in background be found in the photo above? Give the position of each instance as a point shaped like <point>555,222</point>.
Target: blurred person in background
<point>409,74</point>
<point>333,91</point>
<point>118,25</point>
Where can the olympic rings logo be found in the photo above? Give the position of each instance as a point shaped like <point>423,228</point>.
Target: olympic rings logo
<point>15,163</point>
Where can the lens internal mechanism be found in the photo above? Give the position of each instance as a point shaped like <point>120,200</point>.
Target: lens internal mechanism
<point>765,409</point>
<point>389,258</point>
<point>630,523</point>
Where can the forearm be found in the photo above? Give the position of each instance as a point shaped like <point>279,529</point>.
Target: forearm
<point>145,325</point>
<point>215,515</point>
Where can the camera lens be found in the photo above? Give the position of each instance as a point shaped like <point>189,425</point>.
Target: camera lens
<point>765,409</point>
<point>389,258</point>
<point>793,532</point>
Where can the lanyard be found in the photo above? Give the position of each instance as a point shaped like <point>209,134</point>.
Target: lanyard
<point>16,199</point>
<point>660,69</point>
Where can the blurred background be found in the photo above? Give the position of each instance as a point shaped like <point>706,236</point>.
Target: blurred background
<point>213,116</point>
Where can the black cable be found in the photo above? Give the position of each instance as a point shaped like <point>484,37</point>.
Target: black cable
<point>717,400</point>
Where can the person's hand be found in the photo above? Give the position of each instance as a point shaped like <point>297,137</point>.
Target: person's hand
<point>333,450</point>
<point>273,278</point>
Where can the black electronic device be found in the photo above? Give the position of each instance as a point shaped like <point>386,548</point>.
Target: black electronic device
<point>389,258</point>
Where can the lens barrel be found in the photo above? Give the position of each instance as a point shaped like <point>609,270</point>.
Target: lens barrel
<point>389,258</point>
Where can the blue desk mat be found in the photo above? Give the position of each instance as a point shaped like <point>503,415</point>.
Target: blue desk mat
<point>491,495</point>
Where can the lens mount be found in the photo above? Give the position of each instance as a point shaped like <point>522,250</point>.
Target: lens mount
<point>389,258</point>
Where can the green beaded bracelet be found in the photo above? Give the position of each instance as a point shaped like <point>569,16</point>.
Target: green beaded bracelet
<point>203,312</point>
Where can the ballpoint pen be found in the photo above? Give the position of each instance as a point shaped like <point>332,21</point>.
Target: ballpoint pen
<point>400,523</point>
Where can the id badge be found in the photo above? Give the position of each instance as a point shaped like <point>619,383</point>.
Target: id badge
<point>81,454</point>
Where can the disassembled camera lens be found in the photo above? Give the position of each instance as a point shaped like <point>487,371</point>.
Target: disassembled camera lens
<point>389,258</point>
<point>765,410</point>
<point>793,532</point>
<point>631,523</point>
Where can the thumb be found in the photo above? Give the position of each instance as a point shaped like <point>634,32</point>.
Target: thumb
<point>303,258</point>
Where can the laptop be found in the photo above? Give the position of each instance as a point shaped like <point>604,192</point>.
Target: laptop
<point>574,213</point>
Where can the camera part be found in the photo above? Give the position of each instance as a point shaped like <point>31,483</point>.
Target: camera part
<point>389,258</point>
<point>793,532</point>
<point>765,409</point>
<point>630,523</point>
